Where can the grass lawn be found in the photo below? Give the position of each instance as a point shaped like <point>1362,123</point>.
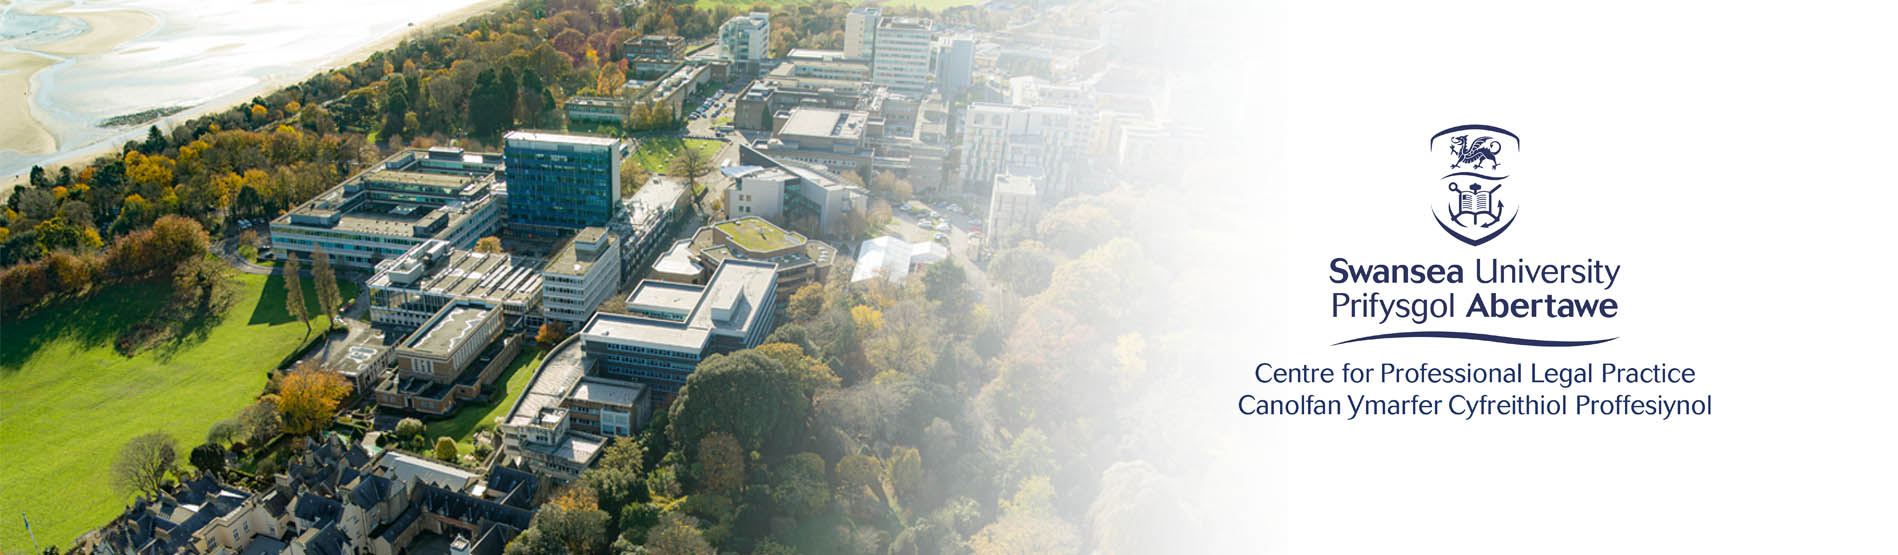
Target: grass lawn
<point>655,154</point>
<point>755,235</point>
<point>515,378</point>
<point>70,400</point>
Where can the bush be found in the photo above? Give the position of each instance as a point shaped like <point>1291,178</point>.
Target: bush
<point>408,428</point>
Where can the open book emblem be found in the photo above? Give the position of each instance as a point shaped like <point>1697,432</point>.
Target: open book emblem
<point>1476,214</point>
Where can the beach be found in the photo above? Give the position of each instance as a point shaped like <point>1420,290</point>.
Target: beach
<point>67,66</point>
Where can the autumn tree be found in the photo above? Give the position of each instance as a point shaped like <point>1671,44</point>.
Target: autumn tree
<point>328,298</point>
<point>859,484</point>
<point>798,486</point>
<point>309,399</point>
<point>905,471</point>
<point>293,292</point>
<point>677,534</point>
<point>489,244</point>
<point>551,333</point>
<point>142,463</point>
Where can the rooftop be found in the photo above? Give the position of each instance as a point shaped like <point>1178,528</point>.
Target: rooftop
<point>544,136</point>
<point>608,391</point>
<point>562,368</point>
<point>437,268</point>
<point>725,305</point>
<point>754,234</point>
<point>825,122</point>
<point>441,335</point>
<point>577,256</point>
<point>677,260</point>
<point>406,468</point>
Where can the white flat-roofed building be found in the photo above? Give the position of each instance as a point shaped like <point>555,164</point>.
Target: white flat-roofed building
<point>793,194</point>
<point>670,327</point>
<point>411,197</point>
<point>408,289</point>
<point>580,276</point>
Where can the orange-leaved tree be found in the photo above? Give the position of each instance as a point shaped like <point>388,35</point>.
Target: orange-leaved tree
<point>309,399</point>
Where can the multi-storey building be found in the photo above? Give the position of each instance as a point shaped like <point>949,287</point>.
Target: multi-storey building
<point>558,182</point>
<point>745,39</point>
<point>998,136</point>
<point>791,193</point>
<point>800,261</point>
<point>1013,205</point>
<point>568,413</point>
<point>411,197</point>
<point>448,359</point>
<point>670,327</point>
<point>860,32</point>
<point>904,46</point>
<point>645,219</point>
<point>659,47</point>
<point>824,136</point>
<point>955,63</point>
<point>580,276</point>
<point>409,289</point>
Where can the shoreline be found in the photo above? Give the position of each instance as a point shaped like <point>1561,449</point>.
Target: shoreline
<point>85,155</point>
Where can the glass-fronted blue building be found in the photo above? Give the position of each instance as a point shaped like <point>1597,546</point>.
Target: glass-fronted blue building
<point>561,181</point>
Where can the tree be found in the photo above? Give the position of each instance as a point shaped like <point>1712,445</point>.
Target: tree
<point>293,292</point>
<point>745,394</point>
<point>1028,524</point>
<point>551,333</point>
<point>225,431</point>
<point>807,372</point>
<point>576,531</point>
<point>859,484</point>
<point>260,420</point>
<point>691,163</point>
<point>947,284</point>
<point>721,463</point>
<point>445,449</point>
<point>309,399</point>
<point>328,298</point>
<point>805,303</point>
<point>905,470</point>
<point>1025,269</point>
<point>677,534</point>
<point>624,455</point>
<point>409,428</point>
<point>208,458</point>
<point>489,244</point>
<point>143,462</point>
<point>798,485</point>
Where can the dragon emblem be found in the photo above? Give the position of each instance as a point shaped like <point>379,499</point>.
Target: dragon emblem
<point>1485,148</point>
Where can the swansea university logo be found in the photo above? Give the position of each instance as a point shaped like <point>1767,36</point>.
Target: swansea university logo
<point>1475,212</point>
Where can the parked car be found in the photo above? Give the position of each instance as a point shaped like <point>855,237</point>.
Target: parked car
<point>942,237</point>
<point>942,226</point>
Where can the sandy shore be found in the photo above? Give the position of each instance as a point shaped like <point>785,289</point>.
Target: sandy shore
<point>106,30</point>
<point>109,26</point>
<point>20,131</point>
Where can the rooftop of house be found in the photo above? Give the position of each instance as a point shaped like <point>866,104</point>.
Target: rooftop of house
<point>407,469</point>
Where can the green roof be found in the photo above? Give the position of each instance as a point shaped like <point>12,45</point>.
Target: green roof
<point>756,235</point>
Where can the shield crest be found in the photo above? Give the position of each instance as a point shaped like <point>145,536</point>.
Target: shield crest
<point>1478,161</point>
